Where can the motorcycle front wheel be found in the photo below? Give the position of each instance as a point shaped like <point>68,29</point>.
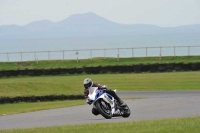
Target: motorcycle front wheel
<point>104,109</point>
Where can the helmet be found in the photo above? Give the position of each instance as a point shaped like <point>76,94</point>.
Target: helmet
<point>87,83</point>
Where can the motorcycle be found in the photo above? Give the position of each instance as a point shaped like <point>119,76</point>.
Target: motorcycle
<point>105,104</point>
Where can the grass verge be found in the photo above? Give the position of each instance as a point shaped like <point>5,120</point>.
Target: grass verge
<point>95,62</point>
<point>7,109</point>
<point>72,84</point>
<point>180,125</point>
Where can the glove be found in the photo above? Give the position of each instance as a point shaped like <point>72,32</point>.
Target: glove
<point>86,92</point>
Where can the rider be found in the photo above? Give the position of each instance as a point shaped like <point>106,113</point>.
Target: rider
<point>89,83</point>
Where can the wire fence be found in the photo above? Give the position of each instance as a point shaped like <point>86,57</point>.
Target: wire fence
<point>104,53</point>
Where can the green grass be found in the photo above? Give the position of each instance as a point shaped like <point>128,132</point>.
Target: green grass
<point>95,62</point>
<point>7,109</point>
<point>180,125</point>
<point>72,84</point>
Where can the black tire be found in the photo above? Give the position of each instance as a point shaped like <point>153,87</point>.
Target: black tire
<point>95,111</point>
<point>106,114</point>
<point>126,112</point>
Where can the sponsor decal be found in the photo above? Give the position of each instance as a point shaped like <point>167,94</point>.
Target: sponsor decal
<point>108,99</point>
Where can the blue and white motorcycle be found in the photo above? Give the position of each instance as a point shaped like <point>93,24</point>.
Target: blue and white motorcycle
<point>105,104</point>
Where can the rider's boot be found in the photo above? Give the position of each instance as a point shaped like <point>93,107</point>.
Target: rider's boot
<point>119,101</point>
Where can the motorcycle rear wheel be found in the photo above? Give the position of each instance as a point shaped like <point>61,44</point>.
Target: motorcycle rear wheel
<point>106,113</point>
<point>126,112</point>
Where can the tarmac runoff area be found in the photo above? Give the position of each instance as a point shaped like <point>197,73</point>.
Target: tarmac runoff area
<point>151,105</point>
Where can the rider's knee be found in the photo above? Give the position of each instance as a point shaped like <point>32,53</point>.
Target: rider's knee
<point>111,92</point>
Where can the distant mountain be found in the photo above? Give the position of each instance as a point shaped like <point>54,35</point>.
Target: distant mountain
<point>86,19</point>
<point>40,25</point>
<point>89,24</point>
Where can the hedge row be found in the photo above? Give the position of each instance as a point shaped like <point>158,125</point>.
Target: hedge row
<point>104,69</point>
<point>18,99</point>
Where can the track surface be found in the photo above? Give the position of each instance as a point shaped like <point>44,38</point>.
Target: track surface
<point>154,105</point>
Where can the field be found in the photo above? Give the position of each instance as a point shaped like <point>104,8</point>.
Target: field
<point>72,84</point>
<point>180,125</point>
<point>7,109</point>
<point>95,62</point>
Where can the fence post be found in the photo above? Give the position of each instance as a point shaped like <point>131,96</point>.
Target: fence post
<point>174,50</point>
<point>35,56</point>
<point>118,55</point>
<point>49,55</point>
<point>146,51</point>
<point>21,56</point>
<point>77,56</point>
<point>63,55</point>
<point>160,52</point>
<point>91,54</point>
<point>8,57</point>
<point>132,52</point>
<point>105,53</point>
<point>188,50</point>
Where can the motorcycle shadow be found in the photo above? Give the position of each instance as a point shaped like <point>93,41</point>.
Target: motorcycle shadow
<point>105,119</point>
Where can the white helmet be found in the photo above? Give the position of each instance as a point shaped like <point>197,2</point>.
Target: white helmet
<point>87,83</point>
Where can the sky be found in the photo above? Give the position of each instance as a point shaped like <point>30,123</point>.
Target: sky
<point>164,13</point>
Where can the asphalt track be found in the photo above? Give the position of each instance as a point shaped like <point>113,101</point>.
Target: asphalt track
<point>153,105</point>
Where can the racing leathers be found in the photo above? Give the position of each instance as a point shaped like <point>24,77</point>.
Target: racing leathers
<point>109,91</point>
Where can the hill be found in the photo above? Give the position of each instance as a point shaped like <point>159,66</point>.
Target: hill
<point>89,24</point>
